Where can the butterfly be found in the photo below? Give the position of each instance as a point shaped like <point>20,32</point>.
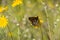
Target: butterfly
<point>34,20</point>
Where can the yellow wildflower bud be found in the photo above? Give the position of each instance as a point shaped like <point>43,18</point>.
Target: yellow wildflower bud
<point>6,7</point>
<point>3,8</point>
<point>41,21</point>
<point>16,2</point>
<point>10,34</point>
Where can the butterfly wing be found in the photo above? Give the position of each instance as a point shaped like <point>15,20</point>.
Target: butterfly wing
<point>34,20</point>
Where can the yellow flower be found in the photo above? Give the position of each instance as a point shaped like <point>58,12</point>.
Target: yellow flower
<point>3,21</point>
<point>10,34</point>
<point>16,2</point>
<point>3,8</point>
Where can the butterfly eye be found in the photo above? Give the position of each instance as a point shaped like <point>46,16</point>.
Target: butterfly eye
<point>34,20</point>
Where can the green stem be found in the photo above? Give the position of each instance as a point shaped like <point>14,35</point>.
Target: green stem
<point>10,32</point>
<point>47,19</point>
<point>41,33</point>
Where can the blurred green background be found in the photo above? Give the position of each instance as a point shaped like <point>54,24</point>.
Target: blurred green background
<point>20,28</point>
